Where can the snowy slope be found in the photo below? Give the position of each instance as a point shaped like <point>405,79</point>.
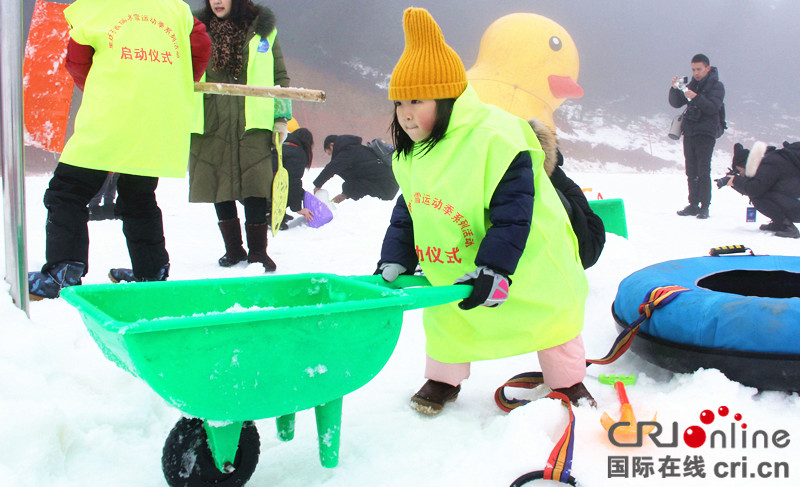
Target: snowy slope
<point>71,418</point>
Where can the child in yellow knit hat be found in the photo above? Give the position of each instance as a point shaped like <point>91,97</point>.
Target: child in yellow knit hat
<point>477,208</point>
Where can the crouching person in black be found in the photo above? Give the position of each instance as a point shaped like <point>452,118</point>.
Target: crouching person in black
<point>771,178</point>
<point>359,167</point>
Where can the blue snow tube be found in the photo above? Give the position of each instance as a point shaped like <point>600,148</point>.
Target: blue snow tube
<point>741,316</point>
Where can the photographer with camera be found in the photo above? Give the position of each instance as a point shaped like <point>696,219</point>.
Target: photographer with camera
<point>771,178</point>
<point>702,125</point>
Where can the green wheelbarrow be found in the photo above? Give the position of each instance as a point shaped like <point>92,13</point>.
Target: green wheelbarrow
<point>226,352</point>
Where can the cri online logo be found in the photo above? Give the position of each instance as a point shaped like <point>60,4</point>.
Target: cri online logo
<point>696,436</point>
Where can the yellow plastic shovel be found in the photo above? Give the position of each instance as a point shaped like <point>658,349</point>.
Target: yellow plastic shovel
<point>280,188</point>
<point>624,433</point>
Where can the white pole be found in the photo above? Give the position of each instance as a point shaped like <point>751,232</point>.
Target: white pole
<point>12,145</point>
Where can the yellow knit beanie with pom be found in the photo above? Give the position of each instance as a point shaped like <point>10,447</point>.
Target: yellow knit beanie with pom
<point>428,69</point>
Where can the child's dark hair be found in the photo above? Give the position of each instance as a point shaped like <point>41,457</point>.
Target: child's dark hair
<point>403,143</point>
<point>306,141</point>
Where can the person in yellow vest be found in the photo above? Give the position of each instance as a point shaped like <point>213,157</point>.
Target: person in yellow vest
<point>231,156</point>
<point>477,208</point>
<point>136,62</point>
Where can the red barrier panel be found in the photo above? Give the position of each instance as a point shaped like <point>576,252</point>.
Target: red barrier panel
<point>47,87</point>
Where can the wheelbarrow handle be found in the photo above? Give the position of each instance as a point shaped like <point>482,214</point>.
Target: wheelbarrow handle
<point>419,288</point>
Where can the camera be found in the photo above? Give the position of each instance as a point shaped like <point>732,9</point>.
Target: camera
<point>723,181</point>
<point>681,83</point>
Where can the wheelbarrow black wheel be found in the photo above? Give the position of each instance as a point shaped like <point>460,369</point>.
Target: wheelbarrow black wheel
<point>187,460</point>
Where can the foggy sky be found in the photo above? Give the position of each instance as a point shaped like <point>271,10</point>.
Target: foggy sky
<point>629,50</point>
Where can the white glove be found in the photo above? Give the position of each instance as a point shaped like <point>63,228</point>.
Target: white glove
<point>390,270</point>
<point>282,129</point>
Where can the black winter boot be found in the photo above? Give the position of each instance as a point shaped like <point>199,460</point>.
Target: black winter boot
<point>47,283</point>
<point>232,236</point>
<point>772,226</point>
<point>577,393</point>
<point>118,275</point>
<point>432,397</point>
<point>690,210</point>
<point>257,246</point>
<point>788,231</point>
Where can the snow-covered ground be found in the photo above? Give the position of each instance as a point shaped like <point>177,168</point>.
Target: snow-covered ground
<point>70,418</point>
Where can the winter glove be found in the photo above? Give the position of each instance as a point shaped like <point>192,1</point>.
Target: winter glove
<point>390,271</point>
<point>281,128</point>
<point>489,289</point>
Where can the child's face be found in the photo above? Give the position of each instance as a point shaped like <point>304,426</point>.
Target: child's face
<point>417,117</point>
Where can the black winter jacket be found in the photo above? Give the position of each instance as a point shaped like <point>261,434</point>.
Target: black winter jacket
<point>775,173</point>
<point>702,113</point>
<point>295,160</point>
<point>358,166</point>
<point>588,227</point>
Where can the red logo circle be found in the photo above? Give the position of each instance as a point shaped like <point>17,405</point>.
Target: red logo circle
<point>694,436</point>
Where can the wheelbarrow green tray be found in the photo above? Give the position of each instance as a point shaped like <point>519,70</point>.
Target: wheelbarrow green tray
<point>248,348</point>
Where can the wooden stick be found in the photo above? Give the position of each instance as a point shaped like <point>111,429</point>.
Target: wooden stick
<point>301,94</point>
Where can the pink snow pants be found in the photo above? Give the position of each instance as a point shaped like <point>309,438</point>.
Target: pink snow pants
<point>562,366</point>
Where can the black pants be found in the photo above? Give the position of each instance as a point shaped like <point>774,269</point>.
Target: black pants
<point>108,192</point>
<point>358,188</point>
<point>67,232</point>
<point>698,149</point>
<point>255,210</point>
<point>778,207</point>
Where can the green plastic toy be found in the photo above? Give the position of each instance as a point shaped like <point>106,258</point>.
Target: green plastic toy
<point>231,351</point>
<point>612,212</point>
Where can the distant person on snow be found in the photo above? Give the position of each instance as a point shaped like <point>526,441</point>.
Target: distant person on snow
<point>231,158</point>
<point>298,154</point>
<point>134,119</point>
<point>469,174</point>
<point>771,178</point>
<point>359,167</point>
<point>702,125</point>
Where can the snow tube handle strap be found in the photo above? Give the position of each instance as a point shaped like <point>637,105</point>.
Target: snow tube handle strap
<point>729,249</point>
<point>559,463</point>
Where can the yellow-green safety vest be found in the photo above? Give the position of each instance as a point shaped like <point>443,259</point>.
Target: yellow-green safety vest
<point>448,192</point>
<point>258,112</point>
<point>135,116</point>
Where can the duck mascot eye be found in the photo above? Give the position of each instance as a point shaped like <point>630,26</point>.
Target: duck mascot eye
<point>527,65</point>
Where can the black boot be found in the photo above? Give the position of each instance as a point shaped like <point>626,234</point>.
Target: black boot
<point>232,236</point>
<point>118,275</point>
<point>703,212</point>
<point>788,231</point>
<point>257,246</point>
<point>577,393</point>
<point>433,396</point>
<point>48,283</point>
<point>690,210</point>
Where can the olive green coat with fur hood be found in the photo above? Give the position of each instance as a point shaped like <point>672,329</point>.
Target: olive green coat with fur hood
<point>226,163</point>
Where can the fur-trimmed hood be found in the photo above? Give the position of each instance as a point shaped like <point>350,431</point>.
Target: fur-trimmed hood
<point>264,24</point>
<point>549,142</point>
<point>754,158</point>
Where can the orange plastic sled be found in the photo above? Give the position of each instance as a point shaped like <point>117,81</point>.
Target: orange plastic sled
<point>47,87</point>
